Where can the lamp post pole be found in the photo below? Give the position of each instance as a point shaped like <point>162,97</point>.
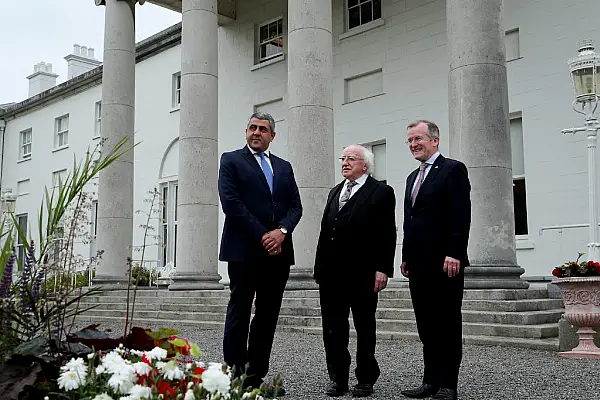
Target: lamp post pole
<point>591,128</point>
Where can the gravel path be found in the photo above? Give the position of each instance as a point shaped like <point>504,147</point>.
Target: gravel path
<point>490,373</point>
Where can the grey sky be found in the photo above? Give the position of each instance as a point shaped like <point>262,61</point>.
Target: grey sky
<point>45,30</point>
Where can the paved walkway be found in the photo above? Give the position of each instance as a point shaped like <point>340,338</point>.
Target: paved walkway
<point>491,373</point>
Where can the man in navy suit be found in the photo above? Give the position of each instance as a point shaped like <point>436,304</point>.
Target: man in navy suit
<point>354,259</point>
<point>262,207</point>
<point>437,220</point>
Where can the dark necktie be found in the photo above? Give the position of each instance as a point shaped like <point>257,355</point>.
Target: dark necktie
<point>422,168</point>
<point>347,193</point>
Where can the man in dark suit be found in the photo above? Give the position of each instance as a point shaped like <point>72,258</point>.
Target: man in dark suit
<point>354,259</point>
<point>437,220</point>
<point>262,207</point>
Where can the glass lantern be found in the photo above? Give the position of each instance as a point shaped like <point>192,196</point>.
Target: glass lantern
<point>585,71</point>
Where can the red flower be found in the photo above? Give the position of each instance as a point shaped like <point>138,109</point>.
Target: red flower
<point>556,272</point>
<point>166,390</point>
<point>198,372</point>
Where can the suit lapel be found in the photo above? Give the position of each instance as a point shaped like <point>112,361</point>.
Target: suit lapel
<point>433,171</point>
<point>254,165</point>
<point>411,181</point>
<point>361,196</point>
<point>335,196</point>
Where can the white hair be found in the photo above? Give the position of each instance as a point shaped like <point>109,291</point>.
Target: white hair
<point>367,156</point>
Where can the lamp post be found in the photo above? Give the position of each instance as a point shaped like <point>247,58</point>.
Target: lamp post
<point>585,72</point>
<point>8,200</point>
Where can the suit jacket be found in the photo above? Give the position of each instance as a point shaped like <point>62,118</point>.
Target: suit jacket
<point>438,224</point>
<point>368,241</point>
<point>250,208</point>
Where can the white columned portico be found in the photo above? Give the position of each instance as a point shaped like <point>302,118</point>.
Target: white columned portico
<point>197,252</point>
<point>310,124</point>
<point>115,191</point>
<point>479,136</point>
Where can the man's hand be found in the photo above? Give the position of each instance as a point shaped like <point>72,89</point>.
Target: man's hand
<point>381,280</point>
<point>272,240</point>
<point>451,266</point>
<point>404,270</point>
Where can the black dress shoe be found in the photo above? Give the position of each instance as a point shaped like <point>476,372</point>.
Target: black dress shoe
<point>445,394</point>
<point>362,390</point>
<point>335,389</point>
<point>423,391</point>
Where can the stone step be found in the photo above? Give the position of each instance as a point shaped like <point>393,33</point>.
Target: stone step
<point>513,305</point>
<point>530,343</point>
<point>389,293</point>
<point>513,318</point>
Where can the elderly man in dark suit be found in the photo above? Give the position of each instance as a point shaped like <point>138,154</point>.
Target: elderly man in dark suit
<point>262,207</point>
<point>354,259</point>
<point>437,220</point>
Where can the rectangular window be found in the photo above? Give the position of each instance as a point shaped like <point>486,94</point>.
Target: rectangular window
<point>94,218</point>
<point>168,227</point>
<point>25,144</point>
<point>270,39</point>
<point>98,119</point>
<point>23,187</point>
<point>511,39</point>
<point>518,170</point>
<point>22,223</point>
<point>360,12</point>
<point>176,101</point>
<point>61,131</point>
<point>379,153</point>
<point>58,177</point>
<point>57,244</point>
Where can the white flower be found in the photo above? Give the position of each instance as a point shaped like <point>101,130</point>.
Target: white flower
<point>170,370</point>
<point>246,395</point>
<point>102,396</point>
<point>70,380</point>
<point>137,352</point>
<point>190,384</point>
<point>76,365</point>
<point>189,395</point>
<point>100,370</point>
<point>141,368</point>
<point>139,392</point>
<point>156,354</point>
<point>114,363</point>
<point>120,382</point>
<point>188,366</point>
<point>46,398</point>
<point>214,380</point>
<point>90,356</point>
<point>200,364</point>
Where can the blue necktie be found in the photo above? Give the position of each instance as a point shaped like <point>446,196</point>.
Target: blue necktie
<point>267,170</point>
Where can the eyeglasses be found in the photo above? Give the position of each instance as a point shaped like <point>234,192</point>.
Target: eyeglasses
<point>349,158</point>
<point>418,139</point>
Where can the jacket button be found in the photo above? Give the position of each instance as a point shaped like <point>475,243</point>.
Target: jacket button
<point>333,229</point>
<point>331,238</point>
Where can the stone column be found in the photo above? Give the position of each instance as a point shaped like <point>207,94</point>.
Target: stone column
<point>310,124</point>
<point>480,137</point>
<point>197,238</point>
<point>115,189</point>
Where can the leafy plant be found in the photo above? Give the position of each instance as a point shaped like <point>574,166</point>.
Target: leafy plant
<point>577,268</point>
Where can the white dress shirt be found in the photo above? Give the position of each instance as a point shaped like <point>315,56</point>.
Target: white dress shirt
<point>267,157</point>
<point>429,163</point>
<point>359,182</point>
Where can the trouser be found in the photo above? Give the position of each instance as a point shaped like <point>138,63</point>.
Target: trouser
<point>248,342</point>
<point>337,299</point>
<point>437,302</point>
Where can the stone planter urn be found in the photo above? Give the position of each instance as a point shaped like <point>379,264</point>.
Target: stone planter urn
<point>581,296</point>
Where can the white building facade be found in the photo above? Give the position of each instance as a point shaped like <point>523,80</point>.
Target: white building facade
<point>380,65</point>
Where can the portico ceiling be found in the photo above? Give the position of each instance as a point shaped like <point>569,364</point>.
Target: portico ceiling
<point>225,8</point>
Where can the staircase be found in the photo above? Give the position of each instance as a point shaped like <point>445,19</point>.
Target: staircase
<point>515,318</point>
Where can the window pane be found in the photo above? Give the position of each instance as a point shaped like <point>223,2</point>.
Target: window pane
<point>520,207</point>
<point>274,47</point>
<point>366,13</point>
<point>273,30</point>
<point>164,244</point>
<point>176,191</point>
<point>516,143</point>
<point>376,9</point>
<point>353,17</point>
<point>175,248</point>
<point>164,201</point>
<point>280,27</point>
<point>263,51</point>
<point>264,31</point>
<point>352,3</point>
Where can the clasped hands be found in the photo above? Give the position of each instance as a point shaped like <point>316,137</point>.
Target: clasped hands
<point>451,267</point>
<point>271,241</point>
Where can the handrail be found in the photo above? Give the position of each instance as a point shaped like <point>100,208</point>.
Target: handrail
<point>559,227</point>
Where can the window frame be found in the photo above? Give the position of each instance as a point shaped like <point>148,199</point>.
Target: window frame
<point>260,42</point>
<point>61,135</point>
<point>520,177</point>
<point>22,144</point>
<point>347,8</point>
<point>97,119</point>
<point>176,90</point>
<point>167,252</point>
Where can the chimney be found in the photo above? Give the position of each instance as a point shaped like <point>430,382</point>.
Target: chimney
<point>42,78</point>
<point>81,61</point>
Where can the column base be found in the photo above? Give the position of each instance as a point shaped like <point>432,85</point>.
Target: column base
<point>108,282</point>
<point>192,281</point>
<point>494,277</point>
<point>301,279</point>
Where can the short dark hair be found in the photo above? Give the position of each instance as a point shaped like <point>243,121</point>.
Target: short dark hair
<point>265,117</point>
<point>432,129</point>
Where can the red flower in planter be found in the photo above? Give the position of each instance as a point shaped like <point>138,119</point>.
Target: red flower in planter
<point>556,272</point>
